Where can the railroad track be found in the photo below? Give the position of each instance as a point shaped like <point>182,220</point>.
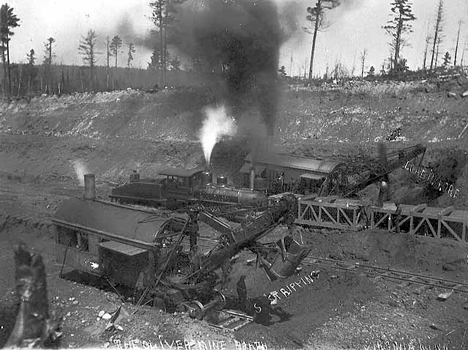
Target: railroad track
<point>397,275</point>
<point>230,320</point>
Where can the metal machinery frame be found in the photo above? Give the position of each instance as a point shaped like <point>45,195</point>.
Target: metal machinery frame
<point>354,215</point>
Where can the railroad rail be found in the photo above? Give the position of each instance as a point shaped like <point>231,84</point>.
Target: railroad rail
<point>392,274</point>
<point>230,320</point>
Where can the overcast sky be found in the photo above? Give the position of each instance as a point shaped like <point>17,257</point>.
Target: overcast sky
<point>355,25</point>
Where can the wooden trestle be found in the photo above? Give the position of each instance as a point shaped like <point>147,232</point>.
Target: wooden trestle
<point>355,215</point>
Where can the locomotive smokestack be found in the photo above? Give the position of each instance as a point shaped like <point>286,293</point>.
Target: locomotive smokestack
<point>252,178</point>
<point>90,186</point>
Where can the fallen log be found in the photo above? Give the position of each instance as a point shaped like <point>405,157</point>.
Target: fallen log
<point>33,327</point>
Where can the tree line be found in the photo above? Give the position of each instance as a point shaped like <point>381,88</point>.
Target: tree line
<point>398,27</point>
<point>32,78</point>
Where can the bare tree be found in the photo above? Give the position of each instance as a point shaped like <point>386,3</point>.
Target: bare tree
<point>8,20</point>
<point>363,57</point>
<point>108,56</point>
<point>458,41</point>
<point>316,17</point>
<point>426,48</point>
<point>131,51</point>
<point>48,57</point>
<point>439,41</point>
<point>353,67</point>
<point>398,26</point>
<point>437,33</point>
<point>115,45</point>
<point>463,53</point>
<point>87,49</point>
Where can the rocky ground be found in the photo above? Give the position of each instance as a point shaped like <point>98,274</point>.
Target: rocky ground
<point>46,145</point>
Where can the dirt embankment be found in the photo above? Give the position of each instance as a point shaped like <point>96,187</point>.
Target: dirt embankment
<point>350,114</point>
<point>110,134</point>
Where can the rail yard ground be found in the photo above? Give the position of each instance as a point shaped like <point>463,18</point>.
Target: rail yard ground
<point>48,143</point>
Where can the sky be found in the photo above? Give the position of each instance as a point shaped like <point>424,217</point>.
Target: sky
<point>354,26</point>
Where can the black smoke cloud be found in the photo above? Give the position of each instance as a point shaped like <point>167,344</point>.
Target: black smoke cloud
<point>243,37</point>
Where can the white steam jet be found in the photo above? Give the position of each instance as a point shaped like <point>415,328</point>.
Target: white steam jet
<point>217,124</point>
<point>80,170</point>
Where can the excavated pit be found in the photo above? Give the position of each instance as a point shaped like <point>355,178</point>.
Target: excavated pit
<point>338,309</point>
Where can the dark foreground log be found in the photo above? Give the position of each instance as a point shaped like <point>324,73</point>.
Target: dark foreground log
<point>33,327</point>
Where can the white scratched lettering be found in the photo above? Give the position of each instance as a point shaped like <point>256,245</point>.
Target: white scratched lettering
<point>289,289</point>
<point>275,295</point>
<point>428,176</point>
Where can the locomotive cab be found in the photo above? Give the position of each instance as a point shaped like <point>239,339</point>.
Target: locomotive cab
<point>182,183</point>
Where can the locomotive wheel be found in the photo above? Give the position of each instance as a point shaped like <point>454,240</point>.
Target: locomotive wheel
<point>159,303</point>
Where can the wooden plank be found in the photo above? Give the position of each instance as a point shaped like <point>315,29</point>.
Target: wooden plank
<point>326,199</point>
<point>345,216</point>
<point>452,232</point>
<point>419,208</point>
<point>446,211</point>
<point>324,224</point>
<point>330,216</point>
<point>309,210</point>
<point>385,217</point>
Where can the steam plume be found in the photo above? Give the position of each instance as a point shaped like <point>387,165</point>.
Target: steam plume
<point>241,38</point>
<point>80,170</point>
<point>216,125</point>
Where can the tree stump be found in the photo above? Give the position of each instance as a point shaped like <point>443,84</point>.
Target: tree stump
<point>33,326</point>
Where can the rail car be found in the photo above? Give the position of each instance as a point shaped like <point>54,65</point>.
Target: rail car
<point>278,173</point>
<point>263,176</point>
<point>177,187</point>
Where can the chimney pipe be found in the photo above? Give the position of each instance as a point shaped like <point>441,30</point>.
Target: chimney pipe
<point>252,178</point>
<point>90,186</point>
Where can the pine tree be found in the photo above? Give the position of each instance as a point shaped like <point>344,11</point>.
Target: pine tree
<point>115,45</point>
<point>398,26</point>
<point>31,70</point>
<point>163,16</point>
<point>316,17</point>
<point>447,60</point>
<point>8,20</point>
<point>87,49</point>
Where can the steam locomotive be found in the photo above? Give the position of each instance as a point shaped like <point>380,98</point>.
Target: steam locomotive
<point>177,187</point>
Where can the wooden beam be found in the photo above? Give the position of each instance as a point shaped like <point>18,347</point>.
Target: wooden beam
<point>445,211</point>
<point>418,208</point>
<point>452,232</point>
